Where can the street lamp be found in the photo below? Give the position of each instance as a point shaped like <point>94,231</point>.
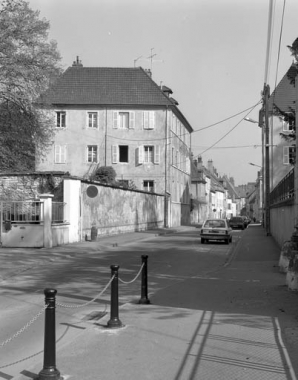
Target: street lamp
<point>250,163</point>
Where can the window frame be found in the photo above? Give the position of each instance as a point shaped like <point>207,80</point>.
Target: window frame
<point>147,188</point>
<point>287,155</point>
<point>62,154</point>
<point>92,154</point>
<point>88,120</point>
<point>61,121</point>
<point>116,154</point>
<point>117,121</point>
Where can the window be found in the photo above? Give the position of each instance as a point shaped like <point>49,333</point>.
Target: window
<point>148,186</point>
<point>119,153</point>
<point>92,155</point>
<point>60,154</point>
<point>149,119</point>
<point>288,123</point>
<point>148,154</point>
<point>123,120</point>
<point>123,153</point>
<point>289,153</point>
<point>61,119</point>
<point>92,119</point>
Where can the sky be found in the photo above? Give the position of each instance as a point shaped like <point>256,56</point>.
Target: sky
<point>211,53</point>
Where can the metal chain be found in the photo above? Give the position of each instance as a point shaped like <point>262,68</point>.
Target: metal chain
<point>87,303</point>
<point>134,279</point>
<point>25,327</point>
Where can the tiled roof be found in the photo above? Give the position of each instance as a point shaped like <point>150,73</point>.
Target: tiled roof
<point>285,93</point>
<point>105,86</point>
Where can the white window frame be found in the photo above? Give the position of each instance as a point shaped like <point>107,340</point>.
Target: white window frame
<point>287,152</point>
<point>60,124</point>
<point>148,188</point>
<point>117,119</point>
<point>141,155</point>
<point>92,154</point>
<point>149,119</point>
<point>60,154</point>
<point>94,124</point>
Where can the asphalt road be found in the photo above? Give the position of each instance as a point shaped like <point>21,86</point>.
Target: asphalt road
<point>240,279</point>
<point>79,275</point>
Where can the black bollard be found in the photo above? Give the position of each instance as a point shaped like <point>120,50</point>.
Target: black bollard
<point>49,371</point>
<point>144,286</point>
<point>114,321</point>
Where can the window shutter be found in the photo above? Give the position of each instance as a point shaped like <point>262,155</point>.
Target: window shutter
<point>146,120</point>
<point>63,154</point>
<point>115,119</point>
<point>286,155</point>
<point>115,154</point>
<point>131,120</point>
<point>151,119</point>
<point>156,154</point>
<point>57,153</point>
<point>140,152</point>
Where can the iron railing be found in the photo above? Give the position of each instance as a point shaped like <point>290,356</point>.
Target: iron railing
<point>284,191</point>
<point>58,212</point>
<point>22,211</point>
<point>30,211</point>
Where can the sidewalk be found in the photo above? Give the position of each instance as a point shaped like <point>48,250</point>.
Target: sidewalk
<point>234,334</point>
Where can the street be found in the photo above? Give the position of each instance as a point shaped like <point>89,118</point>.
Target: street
<point>221,280</point>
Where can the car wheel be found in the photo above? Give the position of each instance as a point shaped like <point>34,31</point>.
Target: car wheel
<point>202,241</point>
<point>231,239</point>
<point>227,241</point>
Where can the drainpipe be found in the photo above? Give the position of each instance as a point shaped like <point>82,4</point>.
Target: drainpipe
<point>166,222</point>
<point>1,222</point>
<point>294,236</point>
<point>106,128</point>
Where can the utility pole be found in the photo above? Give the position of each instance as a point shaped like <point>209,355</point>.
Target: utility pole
<point>266,93</point>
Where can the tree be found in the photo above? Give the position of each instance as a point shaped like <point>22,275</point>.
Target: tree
<point>28,64</point>
<point>104,174</point>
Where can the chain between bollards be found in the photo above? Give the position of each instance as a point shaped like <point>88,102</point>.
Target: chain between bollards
<point>144,286</point>
<point>114,321</point>
<point>49,371</point>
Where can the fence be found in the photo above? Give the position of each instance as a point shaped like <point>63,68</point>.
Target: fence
<point>50,370</point>
<point>284,191</point>
<point>30,212</point>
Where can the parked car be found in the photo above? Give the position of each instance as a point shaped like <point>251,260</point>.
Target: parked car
<point>216,229</point>
<point>246,220</point>
<point>237,222</point>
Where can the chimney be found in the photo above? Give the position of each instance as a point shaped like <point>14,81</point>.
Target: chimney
<point>200,162</point>
<point>148,72</point>
<point>77,63</point>
<point>210,166</point>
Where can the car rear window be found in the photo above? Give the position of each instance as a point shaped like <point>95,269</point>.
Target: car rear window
<point>236,220</point>
<point>215,223</point>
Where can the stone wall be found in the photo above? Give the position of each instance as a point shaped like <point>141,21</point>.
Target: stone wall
<point>112,210</point>
<point>27,186</point>
<point>282,223</point>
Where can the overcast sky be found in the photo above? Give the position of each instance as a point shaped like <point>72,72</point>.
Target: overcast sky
<point>211,53</point>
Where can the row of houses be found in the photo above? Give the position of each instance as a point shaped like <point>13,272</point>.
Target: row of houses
<point>215,196</point>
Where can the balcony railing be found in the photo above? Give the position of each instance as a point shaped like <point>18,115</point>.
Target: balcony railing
<point>284,191</point>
